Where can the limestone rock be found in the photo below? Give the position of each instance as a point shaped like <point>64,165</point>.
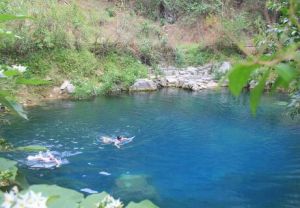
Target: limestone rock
<point>67,87</point>
<point>144,85</point>
<point>225,67</point>
<point>172,81</point>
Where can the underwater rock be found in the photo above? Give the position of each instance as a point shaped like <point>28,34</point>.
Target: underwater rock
<point>134,187</point>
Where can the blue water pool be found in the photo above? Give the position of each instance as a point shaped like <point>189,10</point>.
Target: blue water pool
<point>190,150</point>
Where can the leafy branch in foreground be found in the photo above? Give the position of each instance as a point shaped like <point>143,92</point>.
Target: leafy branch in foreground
<point>278,61</point>
<point>14,74</point>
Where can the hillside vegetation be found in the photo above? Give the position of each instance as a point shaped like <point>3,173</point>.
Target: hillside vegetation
<point>103,46</point>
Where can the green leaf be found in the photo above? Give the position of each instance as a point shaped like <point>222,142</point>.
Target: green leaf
<point>92,200</point>
<point>21,181</point>
<point>8,17</point>
<point>286,72</point>
<point>279,82</point>
<point>11,73</point>
<point>9,165</point>
<point>35,82</point>
<point>256,93</point>
<point>59,197</point>
<point>142,204</point>
<point>239,76</point>
<point>13,105</point>
<point>32,148</point>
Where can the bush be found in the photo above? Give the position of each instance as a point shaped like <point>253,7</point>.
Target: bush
<point>53,25</point>
<point>76,63</point>
<point>158,9</point>
<point>193,55</point>
<point>120,72</point>
<point>64,62</point>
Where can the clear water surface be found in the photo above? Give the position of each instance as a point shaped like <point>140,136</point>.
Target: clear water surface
<point>190,149</point>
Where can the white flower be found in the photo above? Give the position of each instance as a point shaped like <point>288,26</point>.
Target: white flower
<point>110,202</point>
<point>19,68</point>
<point>28,200</point>
<point>9,200</point>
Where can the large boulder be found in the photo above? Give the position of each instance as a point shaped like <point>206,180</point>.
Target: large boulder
<point>172,81</point>
<point>144,85</point>
<point>67,87</point>
<point>225,67</point>
<point>212,85</point>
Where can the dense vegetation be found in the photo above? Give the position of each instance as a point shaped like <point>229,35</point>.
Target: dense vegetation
<point>79,41</point>
<point>105,49</point>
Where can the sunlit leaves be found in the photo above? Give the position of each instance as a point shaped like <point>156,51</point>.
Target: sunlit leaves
<point>239,77</point>
<point>31,148</point>
<point>258,90</point>
<point>9,17</point>
<point>8,101</point>
<point>35,82</point>
<point>11,73</point>
<point>286,72</point>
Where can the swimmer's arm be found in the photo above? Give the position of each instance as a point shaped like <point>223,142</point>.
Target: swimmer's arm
<point>118,146</point>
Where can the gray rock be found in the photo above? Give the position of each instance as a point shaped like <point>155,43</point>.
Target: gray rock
<point>225,67</point>
<point>252,84</point>
<point>172,81</point>
<point>70,89</point>
<point>192,70</point>
<point>196,87</point>
<point>67,87</point>
<point>143,85</point>
<point>212,85</point>
<point>2,75</point>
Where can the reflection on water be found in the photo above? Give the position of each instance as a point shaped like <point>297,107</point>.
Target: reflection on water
<point>190,150</point>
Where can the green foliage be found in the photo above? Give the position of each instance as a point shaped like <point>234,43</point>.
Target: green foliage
<point>281,59</point>
<point>5,146</point>
<point>31,148</point>
<point>190,8</point>
<point>75,63</point>
<point>59,197</point>
<point>120,72</point>
<point>8,172</point>
<point>239,76</point>
<point>91,201</point>
<point>86,88</point>
<point>111,12</point>
<point>5,178</point>
<point>55,26</point>
<point>193,55</point>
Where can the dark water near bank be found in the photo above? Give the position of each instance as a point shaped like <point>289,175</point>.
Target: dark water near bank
<point>190,149</point>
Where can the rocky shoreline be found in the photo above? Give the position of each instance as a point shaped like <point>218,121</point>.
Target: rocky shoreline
<point>190,78</point>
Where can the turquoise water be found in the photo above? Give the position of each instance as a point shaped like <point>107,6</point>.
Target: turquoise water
<point>190,149</point>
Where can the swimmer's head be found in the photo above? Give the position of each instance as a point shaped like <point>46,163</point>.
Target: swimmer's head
<point>119,137</point>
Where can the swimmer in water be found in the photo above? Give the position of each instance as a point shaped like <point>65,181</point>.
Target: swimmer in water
<point>118,141</point>
<point>47,157</point>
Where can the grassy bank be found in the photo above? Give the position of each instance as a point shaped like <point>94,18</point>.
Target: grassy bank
<point>105,46</point>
